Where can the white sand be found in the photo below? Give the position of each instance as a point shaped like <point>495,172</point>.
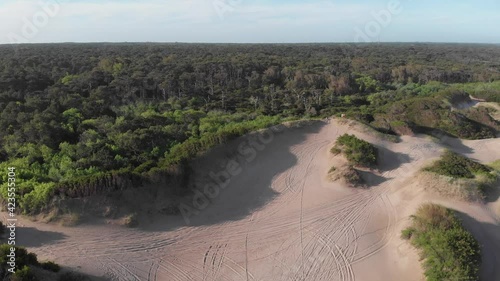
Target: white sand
<point>280,219</point>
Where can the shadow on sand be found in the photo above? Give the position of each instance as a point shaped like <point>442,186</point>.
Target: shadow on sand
<point>247,191</point>
<point>488,236</point>
<point>492,193</point>
<point>447,140</point>
<point>371,179</point>
<point>456,145</point>
<point>390,160</point>
<point>76,274</point>
<point>36,237</point>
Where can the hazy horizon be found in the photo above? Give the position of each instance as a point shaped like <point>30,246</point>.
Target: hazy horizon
<point>240,21</point>
<point>248,43</point>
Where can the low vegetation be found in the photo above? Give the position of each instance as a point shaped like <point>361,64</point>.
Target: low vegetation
<point>495,165</point>
<point>357,151</point>
<point>347,174</point>
<point>457,166</point>
<point>456,176</point>
<point>332,169</point>
<point>493,189</point>
<point>27,266</point>
<point>131,220</point>
<point>429,109</point>
<point>45,175</point>
<point>448,250</point>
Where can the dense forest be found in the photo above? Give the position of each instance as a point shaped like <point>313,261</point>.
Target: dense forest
<point>85,119</point>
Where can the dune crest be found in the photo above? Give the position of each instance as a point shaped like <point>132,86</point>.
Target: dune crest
<point>280,218</point>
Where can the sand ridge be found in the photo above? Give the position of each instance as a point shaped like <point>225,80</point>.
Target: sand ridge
<point>281,219</point>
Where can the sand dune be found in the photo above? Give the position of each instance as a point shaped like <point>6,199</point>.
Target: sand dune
<point>279,218</point>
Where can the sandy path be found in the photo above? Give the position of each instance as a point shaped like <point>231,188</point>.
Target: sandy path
<point>280,220</point>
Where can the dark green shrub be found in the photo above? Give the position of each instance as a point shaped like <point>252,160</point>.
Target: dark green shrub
<point>24,274</point>
<point>407,233</point>
<point>144,167</point>
<point>23,258</point>
<point>449,251</point>
<point>457,166</point>
<point>24,262</point>
<point>357,151</point>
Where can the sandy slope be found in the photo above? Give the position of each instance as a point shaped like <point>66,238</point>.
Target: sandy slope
<point>280,219</point>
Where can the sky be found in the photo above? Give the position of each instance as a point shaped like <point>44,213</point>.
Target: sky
<point>249,21</point>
